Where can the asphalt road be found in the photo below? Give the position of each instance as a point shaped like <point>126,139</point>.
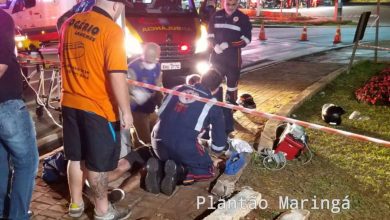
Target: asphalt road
<point>284,43</point>
<point>349,12</point>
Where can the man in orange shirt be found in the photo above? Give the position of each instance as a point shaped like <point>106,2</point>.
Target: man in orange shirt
<point>93,71</point>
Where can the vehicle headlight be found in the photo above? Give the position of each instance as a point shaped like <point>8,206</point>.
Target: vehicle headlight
<point>203,67</point>
<point>19,39</point>
<point>202,44</point>
<point>132,44</point>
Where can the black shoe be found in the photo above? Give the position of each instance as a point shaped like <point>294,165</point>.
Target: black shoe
<point>168,184</point>
<point>153,176</point>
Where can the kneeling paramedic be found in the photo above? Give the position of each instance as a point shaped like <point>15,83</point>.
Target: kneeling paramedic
<point>175,137</point>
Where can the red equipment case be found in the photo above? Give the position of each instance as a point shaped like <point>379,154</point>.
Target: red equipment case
<point>290,146</point>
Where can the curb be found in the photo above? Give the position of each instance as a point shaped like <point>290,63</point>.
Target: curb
<point>269,133</point>
<point>50,142</point>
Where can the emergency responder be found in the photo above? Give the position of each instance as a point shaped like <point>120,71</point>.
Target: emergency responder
<point>175,137</point>
<point>229,30</point>
<point>144,101</point>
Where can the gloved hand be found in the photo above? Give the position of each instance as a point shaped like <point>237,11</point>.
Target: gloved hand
<point>224,46</point>
<point>217,49</point>
<point>140,96</point>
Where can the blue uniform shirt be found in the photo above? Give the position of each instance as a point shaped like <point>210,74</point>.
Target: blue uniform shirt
<point>181,120</point>
<point>145,76</point>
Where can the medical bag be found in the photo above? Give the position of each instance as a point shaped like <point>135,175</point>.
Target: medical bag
<point>290,146</point>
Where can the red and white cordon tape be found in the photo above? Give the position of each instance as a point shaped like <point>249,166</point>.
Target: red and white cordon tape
<point>263,114</point>
<point>347,16</point>
<point>373,47</point>
<point>40,60</point>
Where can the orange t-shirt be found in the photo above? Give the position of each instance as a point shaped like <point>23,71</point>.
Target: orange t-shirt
<point>92,47</point>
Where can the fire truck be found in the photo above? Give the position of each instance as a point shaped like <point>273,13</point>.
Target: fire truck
<point>173,24</point>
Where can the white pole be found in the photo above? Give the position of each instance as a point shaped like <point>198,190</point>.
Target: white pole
<point>377,30</point>
<point>258,8</point>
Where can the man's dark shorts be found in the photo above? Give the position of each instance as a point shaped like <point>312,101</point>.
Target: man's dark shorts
<point>90,137</point>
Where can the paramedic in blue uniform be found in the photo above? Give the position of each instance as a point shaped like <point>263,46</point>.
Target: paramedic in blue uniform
<point>175,136</point>
<point>229,30</point>
<point>144,101</point>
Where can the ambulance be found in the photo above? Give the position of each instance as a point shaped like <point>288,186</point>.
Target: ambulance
<point>35,20</point>
<point>173,24</point>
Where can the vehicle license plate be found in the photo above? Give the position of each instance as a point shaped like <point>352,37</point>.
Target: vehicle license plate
<point>171,66</point>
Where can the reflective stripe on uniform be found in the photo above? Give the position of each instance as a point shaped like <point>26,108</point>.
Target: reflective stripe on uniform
<point>230,89</point>
<point>247,41</point>
<point>217,148</point>
<point>228,26</point>
<point>202,116</point>
<point>210,35</point>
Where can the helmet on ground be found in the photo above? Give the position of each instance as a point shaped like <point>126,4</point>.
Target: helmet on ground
<point>331,114</point>
<point>246,101</point>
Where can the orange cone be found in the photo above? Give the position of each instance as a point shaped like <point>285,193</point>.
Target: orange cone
<point>304,34</point>
<point>262,33</point>
<point>337,36</point>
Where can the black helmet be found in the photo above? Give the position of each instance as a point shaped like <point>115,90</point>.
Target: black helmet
<point>246,101</point>
<point>331,114</point>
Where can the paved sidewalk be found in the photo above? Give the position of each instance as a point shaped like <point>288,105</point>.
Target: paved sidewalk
<point>272,88</point>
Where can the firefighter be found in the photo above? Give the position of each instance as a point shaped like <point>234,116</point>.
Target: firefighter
<point>175,137</point>
<point>229,30</point>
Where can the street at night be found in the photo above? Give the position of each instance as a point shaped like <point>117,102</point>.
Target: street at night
<point>298,62</point>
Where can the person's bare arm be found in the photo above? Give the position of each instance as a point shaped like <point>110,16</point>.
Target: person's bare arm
<point>131,75</point>
<point>121,94</point>
<point>3,68</point>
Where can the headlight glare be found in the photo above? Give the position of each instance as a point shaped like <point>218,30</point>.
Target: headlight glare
<point>133,45</point>
<point>202,43</point>
<point>203,67</point>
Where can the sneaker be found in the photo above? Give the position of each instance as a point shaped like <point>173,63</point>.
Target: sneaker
<point>153,176</point>
<point>168,183</point>
<point>114,213</point>
<point>75,210</point>
<point>116,195</point>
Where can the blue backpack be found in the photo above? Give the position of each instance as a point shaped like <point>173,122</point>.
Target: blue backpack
<point>235,163</point>
<point>54,168</point>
